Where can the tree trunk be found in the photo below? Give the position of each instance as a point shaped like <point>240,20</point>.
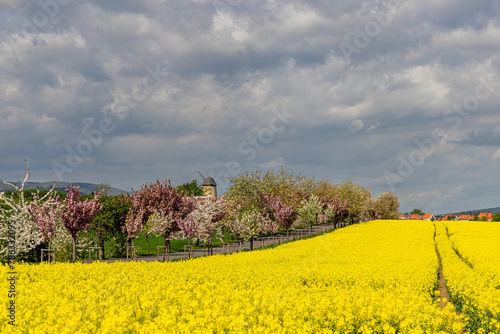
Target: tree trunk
<point>166,240</point>
<point>147,242</point>
<point>251,244</point>
<point>74,249</point>
<point>102,249</point>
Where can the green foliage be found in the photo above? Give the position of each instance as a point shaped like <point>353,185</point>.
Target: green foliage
<point>251,186</point>
<point>496,217</point>
<point>247,186</point>
<point>192,188</point>
<point>103,188</point>
<point>32,255</point>
<point>65,253</point>
<point>387,205</point>
<point>118,245</point>
<point>417,212</point>
<point>359,199</point>
<point>110,220</point>
<point>310,210</point>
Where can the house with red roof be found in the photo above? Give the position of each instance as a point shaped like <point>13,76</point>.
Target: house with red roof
<point>487,215</point>
<point>465,217</point>
<point>428,216</point>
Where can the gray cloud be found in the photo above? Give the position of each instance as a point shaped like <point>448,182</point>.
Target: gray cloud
<point>482,137</point>
<point>227,69</point>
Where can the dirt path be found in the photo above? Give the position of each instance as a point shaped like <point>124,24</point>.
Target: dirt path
<point>443,290</point>
<point>277,238</point>
<point>445,295</point>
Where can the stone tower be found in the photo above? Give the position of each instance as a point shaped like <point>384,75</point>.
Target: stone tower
<point>209,187</point>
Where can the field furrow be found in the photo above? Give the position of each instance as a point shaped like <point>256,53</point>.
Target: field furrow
<point>470,267</point>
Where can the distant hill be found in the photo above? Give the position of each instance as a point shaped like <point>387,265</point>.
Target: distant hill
<point>85,188</point>
<point>476,212</point>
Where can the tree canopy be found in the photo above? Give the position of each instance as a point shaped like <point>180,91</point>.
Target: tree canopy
<point>192,188</point>
<point>417,212</point>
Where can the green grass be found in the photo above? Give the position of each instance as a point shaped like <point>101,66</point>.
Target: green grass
<point>154,241</point>
<point>175,245</point>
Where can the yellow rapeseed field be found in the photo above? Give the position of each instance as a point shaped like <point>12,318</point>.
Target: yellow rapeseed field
<point>470,253</point>
<point>376,277</point>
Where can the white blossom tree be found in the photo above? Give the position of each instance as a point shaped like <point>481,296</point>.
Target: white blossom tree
<point>310,210</point>
<point>251,223</point>
<point>207,217</point>
<point>17,222</point>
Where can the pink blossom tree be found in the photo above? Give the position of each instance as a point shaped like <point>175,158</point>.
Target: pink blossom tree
<point>158,207</point>
<point>334,210</point>
<point>45,215</point>
<point>282,213</point>
<point>188,228</point>
<point>77,214</point>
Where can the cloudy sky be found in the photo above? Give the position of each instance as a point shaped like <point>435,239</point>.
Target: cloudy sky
<point>400,96</point>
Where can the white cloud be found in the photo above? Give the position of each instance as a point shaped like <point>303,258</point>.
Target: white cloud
<point>356,126</point>
<point>496,155</point>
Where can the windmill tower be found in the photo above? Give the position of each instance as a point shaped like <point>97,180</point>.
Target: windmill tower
<point>209,186</point>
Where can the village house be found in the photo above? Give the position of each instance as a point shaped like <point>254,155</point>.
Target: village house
<point>487,215</point>
<point>429,216</point>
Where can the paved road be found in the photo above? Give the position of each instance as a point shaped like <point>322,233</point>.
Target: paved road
<point>236,247</point>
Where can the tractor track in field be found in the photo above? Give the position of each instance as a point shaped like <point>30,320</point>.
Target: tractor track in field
<point>443,290</point>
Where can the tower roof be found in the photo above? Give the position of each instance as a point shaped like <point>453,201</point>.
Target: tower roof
<point>209,181</point>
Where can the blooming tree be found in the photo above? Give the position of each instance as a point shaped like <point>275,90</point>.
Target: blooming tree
<point>45,216</point>
<point>387,205</point>
<point>188,228</point>
<point>207,218</point>
<point>77,214</point>
<point>282,213</point>
<point>17,222</point>
<point>334,210</point>
<point>157,208</point>
<point>164,224</point>
<point>251,223</point>
<point>310,210</point>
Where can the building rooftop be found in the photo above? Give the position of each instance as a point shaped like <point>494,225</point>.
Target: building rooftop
<point>209,181</point>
